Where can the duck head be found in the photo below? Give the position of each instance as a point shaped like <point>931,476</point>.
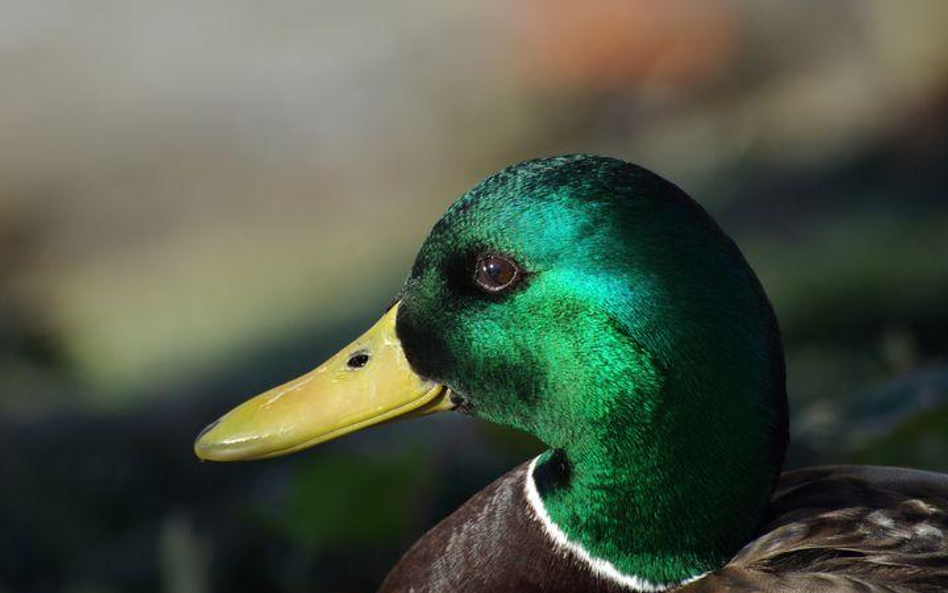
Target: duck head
<point>593,304</point>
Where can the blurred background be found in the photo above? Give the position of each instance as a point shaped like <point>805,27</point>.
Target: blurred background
<point>199,200</point>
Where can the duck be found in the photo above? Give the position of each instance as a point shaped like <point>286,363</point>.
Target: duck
<point>593,304</point>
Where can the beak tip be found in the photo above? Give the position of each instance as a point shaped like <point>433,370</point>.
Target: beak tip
<point>203,448</point>
<point>211,446</point>
<point>211,452</point>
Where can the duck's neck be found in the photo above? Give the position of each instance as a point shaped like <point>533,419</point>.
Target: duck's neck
<point>666,470</point>
<point>631,515</point>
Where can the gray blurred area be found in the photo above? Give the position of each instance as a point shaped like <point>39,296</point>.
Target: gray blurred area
<point>199,200</point>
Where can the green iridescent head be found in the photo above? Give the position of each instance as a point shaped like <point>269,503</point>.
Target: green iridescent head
<point>626,293</point>
<point>632,335</point>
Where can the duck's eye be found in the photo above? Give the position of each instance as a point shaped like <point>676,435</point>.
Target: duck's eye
<point>496,273</point>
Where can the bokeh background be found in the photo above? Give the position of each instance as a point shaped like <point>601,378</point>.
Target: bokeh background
<point>199,200</point>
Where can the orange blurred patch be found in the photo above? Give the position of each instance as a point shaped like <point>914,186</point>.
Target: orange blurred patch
<point>603,44</point>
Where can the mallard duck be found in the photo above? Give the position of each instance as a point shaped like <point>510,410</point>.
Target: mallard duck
<point>593,304</point>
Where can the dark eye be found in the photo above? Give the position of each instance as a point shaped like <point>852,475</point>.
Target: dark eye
<point>496,273</point>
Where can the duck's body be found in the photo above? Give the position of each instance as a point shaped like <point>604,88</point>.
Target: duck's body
<point>845,529</point>
<point>593,304</point>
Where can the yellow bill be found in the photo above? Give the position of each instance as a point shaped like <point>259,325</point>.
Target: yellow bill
<point>366,383</point>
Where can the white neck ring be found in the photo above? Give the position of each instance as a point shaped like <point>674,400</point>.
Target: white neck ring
<point>598,566</point>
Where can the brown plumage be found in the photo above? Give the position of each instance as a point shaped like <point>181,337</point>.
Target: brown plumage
<point>832,529</point>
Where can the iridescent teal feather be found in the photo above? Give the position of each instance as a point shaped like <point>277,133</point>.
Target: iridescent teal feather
<point>639,344</point>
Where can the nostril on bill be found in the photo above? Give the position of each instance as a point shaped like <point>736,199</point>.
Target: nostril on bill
<point>357,360</point>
